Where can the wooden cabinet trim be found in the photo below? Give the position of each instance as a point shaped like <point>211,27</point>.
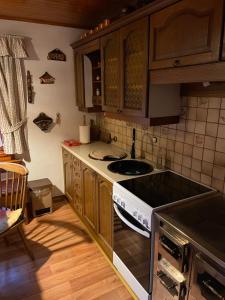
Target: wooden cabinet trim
<point>132,17</point>
<point>223,46</point>
<point>197,73</point>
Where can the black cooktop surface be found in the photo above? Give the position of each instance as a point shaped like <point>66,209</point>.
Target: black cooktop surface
<point>163,188</point>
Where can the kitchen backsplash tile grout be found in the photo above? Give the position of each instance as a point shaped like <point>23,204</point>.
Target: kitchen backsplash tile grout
<point>195,147</point>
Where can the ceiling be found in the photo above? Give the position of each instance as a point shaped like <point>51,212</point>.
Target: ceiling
<point>72,13</point>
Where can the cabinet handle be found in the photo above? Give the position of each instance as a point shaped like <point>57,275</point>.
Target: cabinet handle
<point>176,63</point>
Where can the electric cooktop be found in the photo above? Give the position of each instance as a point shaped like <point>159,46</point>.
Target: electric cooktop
<point>163,188</point>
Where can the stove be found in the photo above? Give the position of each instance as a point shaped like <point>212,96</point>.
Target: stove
<point>143,195</point>
<point>135,200</point>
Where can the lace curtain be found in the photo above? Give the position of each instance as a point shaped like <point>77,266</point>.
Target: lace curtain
<point>12,94</point>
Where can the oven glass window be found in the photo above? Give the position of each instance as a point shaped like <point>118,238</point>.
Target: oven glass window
<point>132,248</point>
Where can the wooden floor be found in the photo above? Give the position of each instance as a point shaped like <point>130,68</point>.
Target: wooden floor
<point>68,265</point>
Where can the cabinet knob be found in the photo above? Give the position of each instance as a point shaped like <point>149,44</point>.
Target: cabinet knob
<point>176,63</point>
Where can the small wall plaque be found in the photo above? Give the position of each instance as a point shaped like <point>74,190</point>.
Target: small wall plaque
<point>43,121</point>
<point>30,93</point>
<point>56,54</point>
<point>46,78</point>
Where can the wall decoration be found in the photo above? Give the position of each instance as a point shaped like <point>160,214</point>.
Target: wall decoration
<point>30,92</point>
<point>58,119</point>
<point>43,121</point>
<point>56,54</point>
<point>46,78</point>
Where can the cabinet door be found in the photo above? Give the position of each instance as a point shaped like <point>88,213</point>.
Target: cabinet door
<point>186,33</point>
<point>134,59</point>
<point>110,52</point>
<point>79,79</point>
<point>68,175</point>
<point>78,204</point>
<point>105,214</point>
<point>90,210</point>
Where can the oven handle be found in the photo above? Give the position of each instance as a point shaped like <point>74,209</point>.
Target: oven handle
<point>142,232</point>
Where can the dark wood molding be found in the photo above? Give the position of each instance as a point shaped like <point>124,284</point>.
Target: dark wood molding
<point>93,109</point>
<point>117,24</point>
<point>164,120</point>
<point>143,121</point>
<point>214,89</point>
<point>127,118</point>
<point>187,74</point>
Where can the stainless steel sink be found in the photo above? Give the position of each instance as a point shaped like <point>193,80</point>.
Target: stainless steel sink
<point>130,167</point>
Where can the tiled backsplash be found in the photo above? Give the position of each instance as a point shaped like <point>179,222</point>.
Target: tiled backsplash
<point>195,147</point>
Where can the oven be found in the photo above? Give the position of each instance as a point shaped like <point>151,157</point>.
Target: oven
<point>132,243</point>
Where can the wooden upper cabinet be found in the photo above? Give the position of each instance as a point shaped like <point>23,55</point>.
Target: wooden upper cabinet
<point>87,68</point>
<point>90,209</point>
<point>134,62</point>
<point>105,213</point>
<point>79,79</point>
<point>186,33</point>
<point>110,57</point>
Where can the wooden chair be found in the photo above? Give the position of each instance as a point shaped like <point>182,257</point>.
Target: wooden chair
<point>13,192</point>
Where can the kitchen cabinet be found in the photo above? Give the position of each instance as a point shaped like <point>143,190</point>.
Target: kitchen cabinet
<point>88,77</point>
<point>186,33</point>
<point>91,196</point>
<point>72,180</point>
<point>110,59</point>
<point>134,67</point>
<point>90,209</point>
<point>68,175</point>
<point>105,225</point>
<point>77,185</point>
<point>125,69</point>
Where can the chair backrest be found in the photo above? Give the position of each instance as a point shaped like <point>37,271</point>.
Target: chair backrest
<point>13,186</point>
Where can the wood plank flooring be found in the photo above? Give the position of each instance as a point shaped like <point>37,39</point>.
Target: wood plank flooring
<point>68,264</point>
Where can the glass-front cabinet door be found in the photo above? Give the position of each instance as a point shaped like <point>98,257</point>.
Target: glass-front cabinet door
<point>110,51</point>
<point>134,53</point>
<point>88,77</point>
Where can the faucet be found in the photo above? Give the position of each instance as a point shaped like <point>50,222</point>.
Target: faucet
<point>142,142</point>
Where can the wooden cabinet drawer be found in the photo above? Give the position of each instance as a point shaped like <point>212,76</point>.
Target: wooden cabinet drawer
<point>186,33</point>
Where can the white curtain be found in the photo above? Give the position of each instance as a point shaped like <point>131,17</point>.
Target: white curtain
<point>13,94</point>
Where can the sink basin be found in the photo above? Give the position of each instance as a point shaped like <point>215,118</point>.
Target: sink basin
<point>130,167</point>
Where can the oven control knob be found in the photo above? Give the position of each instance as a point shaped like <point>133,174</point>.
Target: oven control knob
<point>139,217</point>
<point>122,204</point>
<point>145,223</point>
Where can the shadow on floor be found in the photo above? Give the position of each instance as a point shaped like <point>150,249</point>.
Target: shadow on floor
<point>19,276</point>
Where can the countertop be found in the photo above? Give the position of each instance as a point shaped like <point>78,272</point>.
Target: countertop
<point>82,153</point>
<point>202,221</point>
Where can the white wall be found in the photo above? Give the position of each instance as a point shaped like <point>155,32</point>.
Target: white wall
<point>45,150</point>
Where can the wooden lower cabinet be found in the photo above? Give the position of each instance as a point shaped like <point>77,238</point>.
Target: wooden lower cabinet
<point>105,225</point>
<point>68,174</point>
<point>91,196</point>
<point>90,209</point>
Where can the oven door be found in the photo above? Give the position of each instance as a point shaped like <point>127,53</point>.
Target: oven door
<point>132,246</point>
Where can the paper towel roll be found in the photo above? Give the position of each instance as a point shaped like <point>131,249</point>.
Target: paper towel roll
<point>84,132</point>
